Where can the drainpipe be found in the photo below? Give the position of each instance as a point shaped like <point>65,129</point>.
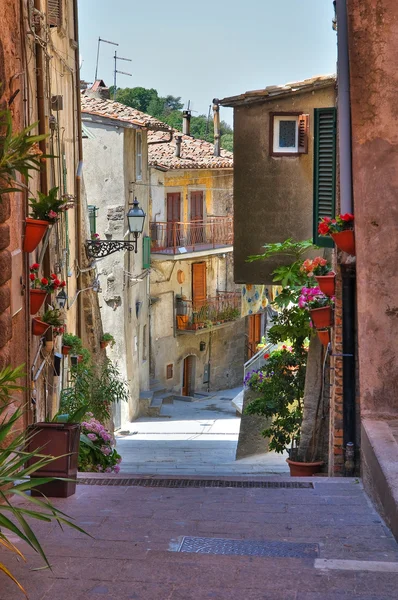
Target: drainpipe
<point>216,120</point>
<point>346,204</point>
<point>186,122</point>
<point>78,173</point>
<point>177,151</point>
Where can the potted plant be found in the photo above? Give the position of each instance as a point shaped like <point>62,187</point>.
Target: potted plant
<point>321,270</point>
<point>39,327</point>
<point>319,306</point>
<point>45,210</point>
<point>107,339</point>
<point>51,318</point>
<point>324,336</point>
<point>71,343</point>
<point>40,287</point>
<point>341,229</point>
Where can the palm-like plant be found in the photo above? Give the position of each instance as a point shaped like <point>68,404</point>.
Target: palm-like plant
<point>15,478</point>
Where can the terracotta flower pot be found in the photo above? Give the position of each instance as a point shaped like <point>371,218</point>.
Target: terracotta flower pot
<point>327,283</point>
<point>103,345</point>
<point>34,232</point>
<point>345,240</point>
<point>39,327</point>
<point>302,469</point>
<point>321,317</point>
<point>65,350</point>
<point>80,358</point>
<point>37,298</point>
<point>324,336</point>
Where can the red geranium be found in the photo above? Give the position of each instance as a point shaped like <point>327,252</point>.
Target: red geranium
<point>329,226</point>
<point>266,356</point>
<point>323,228</point>
<point>44,281</point>
<point>35,267</point>
<point>32,277</point>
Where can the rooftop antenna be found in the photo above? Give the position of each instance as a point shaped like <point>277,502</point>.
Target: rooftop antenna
<point>98,51</point>
<point>208,119</point>
<point>116,58</point>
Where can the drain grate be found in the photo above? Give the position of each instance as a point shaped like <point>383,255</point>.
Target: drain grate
<point>195,483</point>
<point>228,547</point>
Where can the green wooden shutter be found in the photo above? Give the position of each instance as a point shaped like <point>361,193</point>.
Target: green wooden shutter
<point>324,170</point>
<point>146,252</point>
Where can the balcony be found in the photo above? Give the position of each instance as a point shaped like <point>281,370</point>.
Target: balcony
<point>222,309</point>
<point>176,239</point>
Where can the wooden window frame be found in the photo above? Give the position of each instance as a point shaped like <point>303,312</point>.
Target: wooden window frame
<point>301,148</point>
<point>138,157</point>
<point>52,19</point>
<point>170,371</point>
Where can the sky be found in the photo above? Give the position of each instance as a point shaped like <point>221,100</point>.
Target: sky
<point>201,51</point>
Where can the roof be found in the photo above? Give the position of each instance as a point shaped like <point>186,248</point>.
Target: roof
<point>274,91</point>
<point>119,112</point>
<point>194,154</point>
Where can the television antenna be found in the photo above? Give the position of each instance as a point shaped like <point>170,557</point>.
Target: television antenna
<point>98,51</point>
<point>116,58</point>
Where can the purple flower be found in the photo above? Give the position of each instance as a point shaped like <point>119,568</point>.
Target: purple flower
<point>106,450</point>
<point>108,470</point>
<point>92,436</point>
<point>116,468</point>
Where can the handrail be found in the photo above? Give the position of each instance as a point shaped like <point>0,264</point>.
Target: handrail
<point>170,237</point>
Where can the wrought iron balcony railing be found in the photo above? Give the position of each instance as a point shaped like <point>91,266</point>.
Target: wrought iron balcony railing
<point>193,236</point>
<point>190,315</point>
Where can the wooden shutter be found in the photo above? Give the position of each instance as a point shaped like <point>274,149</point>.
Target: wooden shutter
<point>198,284</point>
<point>196,206</point>
<point>324,170</point>
<point>146,252</point>
<point>303,129</point>
<point>54,13</point>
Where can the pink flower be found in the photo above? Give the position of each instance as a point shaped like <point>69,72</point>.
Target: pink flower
<point>52,214</point>
<point>108,470</point>
<point>92,436</point>
<point>116,468</point>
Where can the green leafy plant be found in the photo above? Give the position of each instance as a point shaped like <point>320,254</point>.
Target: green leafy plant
<point>97,452</point>
<point>108,339</point>
<point>73,342</point>
<point>280,388</point>
<point>19,153</point>
<point>53,317</point>
<point>15,479</point>
<point>49,206</point>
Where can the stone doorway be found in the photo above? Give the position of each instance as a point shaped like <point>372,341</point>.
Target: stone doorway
<point>188,376</point>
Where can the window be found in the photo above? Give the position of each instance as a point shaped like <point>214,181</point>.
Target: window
<point>92,217</point>
<point>324,170</point>
<point>288,134</point>
<point>169,371</point>
<point>54,13</point>
<point>138,156</point>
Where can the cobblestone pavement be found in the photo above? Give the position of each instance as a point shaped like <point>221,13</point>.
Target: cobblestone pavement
<point>192,438</point>
<point>138,530</point>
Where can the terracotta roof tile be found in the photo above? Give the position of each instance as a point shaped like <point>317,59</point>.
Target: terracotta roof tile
<point>195,154</point>
<point>272,91</point>
<point>114,110</point>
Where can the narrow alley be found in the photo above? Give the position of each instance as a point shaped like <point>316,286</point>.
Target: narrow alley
<point>300,540</point>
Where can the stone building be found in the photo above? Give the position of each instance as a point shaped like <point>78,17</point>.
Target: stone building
<point>39,73</point>
<point>197,335</point>
<point>116,172</point>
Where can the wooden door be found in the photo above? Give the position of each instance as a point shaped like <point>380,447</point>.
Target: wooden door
<point>173,217</point>
<point>188,376</point>
<point>199,291</point>
<point>196,212</point>
<point>254,333</point>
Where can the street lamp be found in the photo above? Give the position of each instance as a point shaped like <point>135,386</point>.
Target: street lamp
<point>100,248</point>
<point>61,299</point>
<point>136,219</point>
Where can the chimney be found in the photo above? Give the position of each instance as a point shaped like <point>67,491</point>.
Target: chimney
<point>98,90</point>
<point>177,151</point>
<point>186,122</point>
<point>216,120</point>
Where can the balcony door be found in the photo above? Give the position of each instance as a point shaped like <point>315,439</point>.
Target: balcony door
<point>196,213</point>
<point>173,219</point>
<point>199,291</point>
<point>255,333</point>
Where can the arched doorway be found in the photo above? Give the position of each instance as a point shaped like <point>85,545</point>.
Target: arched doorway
<point>188,375</point>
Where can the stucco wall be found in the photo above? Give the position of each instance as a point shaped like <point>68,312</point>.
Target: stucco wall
<point>109,173</point>
<point>373,30</point>
<point>273,196</point>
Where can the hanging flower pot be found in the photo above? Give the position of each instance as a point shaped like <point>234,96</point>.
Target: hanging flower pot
<point>65,350</point>
<point>321,317</point>
<point>345,240</point>
<point>324,336</point>
<point>327,283</point>
<point>34,232</point>
<point>37,298</point>
<point>39,327</point>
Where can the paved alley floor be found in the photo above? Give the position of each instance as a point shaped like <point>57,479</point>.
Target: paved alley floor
<point>323,542</point>
<point>191,438</point>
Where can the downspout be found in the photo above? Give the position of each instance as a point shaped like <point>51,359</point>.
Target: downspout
<point>80,317</point>
<point>346,205</point>
<point>217,133</point>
